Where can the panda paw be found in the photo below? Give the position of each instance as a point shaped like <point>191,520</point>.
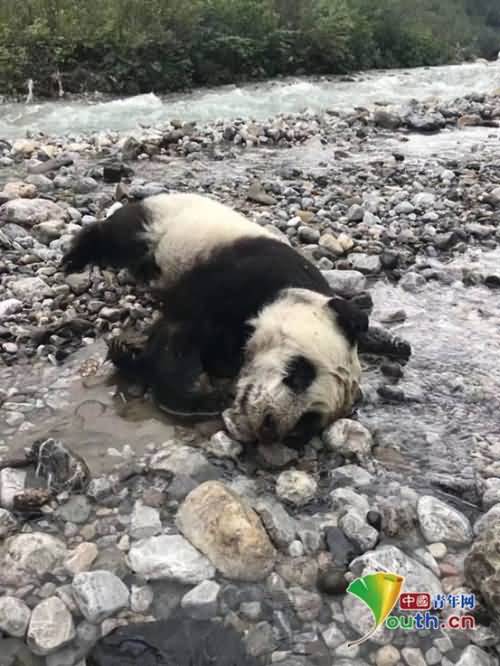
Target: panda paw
<point>122,351</point>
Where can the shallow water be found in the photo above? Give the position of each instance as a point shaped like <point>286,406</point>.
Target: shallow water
<point>258,101</point>
<point>452,385</point>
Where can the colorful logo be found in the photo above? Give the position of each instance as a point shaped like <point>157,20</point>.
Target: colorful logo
<point>380,592</point>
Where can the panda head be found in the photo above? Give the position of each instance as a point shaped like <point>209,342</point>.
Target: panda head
<point>301,368</point>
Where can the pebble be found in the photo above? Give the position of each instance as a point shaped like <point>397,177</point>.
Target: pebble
<point>388,655</point>
<point>296,487</point>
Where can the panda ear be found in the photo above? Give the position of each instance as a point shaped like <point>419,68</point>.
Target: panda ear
<point>350,318</point>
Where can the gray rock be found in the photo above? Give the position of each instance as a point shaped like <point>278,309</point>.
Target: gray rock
<point>30,288</point>
<point>12,482</point>
<point>333,636</point>
<point>349,438</point>
<point>355,213</point>
<point>76,510</point>
<point>390,558</point>
<point>145,521</point>
<point>280,526</point>
<point>41,182</point>
<point>34,554</point>
<point>368,264</point>
<point>388,655</point>
<point>413,656</point>
<point>491,495</point>
<point>99,594</point>
<point>260,640</point>
<point>141,598</point>
<point>424,200</point>
<point>341,499</point>
<point>82,558</point>
<point>306,604</point>
<point>14,616</point>
<point>99,488</point>
<point>31,211</point>
<point>386,119</point>
<point>308,234</point>
<point>474,656</point>
<point>8,524</point>
<point>78,282</point>
<point>487,520</point>
<point>221,445</point>
<point>359,617</point>
<point>352,475</point>
<point>10,306</point>
<point>201,602</point>
<point>51,627</point>
<point>441,522</point>
<point>170,557</point>
<point>179,459</point>
<point>296,487</point>
<point>13,652</point>
<point>404,208</point>
<point>345,283</point>
<point>482,568</point>
<point>412,282</point>
<point>358,531</point>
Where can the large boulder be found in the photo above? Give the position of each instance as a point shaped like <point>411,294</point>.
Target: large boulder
<point>28,557</point>
<point>224,527</point>
<point>441,522</point>
<point>51,627</point>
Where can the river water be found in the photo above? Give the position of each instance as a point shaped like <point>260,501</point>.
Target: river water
<point>258,101</point>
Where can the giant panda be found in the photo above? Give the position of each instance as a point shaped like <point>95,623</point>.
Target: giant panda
<point>237,302</point>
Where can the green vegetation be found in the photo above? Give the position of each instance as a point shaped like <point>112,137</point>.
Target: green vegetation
<point>132,46</point>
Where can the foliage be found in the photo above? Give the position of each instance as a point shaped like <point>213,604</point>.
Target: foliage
<point>131,46</point>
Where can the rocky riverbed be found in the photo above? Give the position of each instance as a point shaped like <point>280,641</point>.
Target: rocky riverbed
<point>116,517</point>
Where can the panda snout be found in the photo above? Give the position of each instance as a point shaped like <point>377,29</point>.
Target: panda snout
<point>268,431</point>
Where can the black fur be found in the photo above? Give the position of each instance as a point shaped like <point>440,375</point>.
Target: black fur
<point>116,242</point>
<point>300,374</point>
<point>352,320</point>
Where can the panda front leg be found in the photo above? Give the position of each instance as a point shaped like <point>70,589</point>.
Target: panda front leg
<point>170,364</point>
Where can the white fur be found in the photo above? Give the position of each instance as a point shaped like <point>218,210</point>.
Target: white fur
<point>187,228</point>
<point>300,322</point>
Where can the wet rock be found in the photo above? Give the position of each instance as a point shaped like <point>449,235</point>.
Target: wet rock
<point>349,438</point>
<point>296,487</point>
<point>386,119</point>
<point>76,510</point>
<point>390,558</point>
<point>355,213</point>
<point>145,521</point>
<point>441,522</point>
<point>275,456</point>
<point>482,568</point>
<point>99,594</point>
<point>342,549</point>
<point>427,123</point>
<point>180,641</point>
<point>82,558</point>
<point>14,617</point>
<point>280,526</point>
<point>341,499</point>
<point>51,627</point>
<point>169,557</point>
<point>201,602</point>
<point>260,640</point>
<point>12,482</point>
<point>358,531</point>
<point>31,211</point>
<point>180,459</point>
<point>352,475</point>
<point>223,527</point>
<point>345,283</point>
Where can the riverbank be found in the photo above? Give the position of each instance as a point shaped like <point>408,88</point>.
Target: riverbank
<point>399,205</point>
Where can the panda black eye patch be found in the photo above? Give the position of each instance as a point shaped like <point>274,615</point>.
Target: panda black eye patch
<point>300,374</point>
